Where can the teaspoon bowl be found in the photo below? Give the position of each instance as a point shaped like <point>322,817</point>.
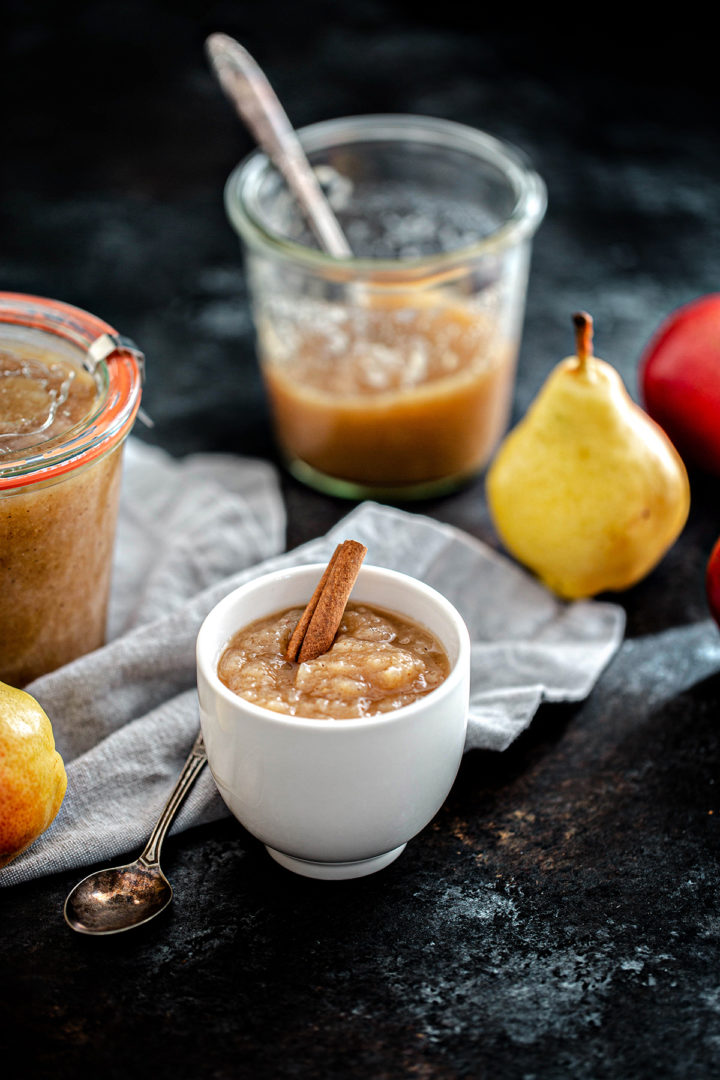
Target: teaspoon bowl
<point>123,897</point>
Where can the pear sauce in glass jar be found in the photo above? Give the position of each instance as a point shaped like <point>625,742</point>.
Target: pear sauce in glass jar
<point>70,389</point>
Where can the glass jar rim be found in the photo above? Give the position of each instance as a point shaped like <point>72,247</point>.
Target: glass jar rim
<point>526,215</point>
<point>121,374</point>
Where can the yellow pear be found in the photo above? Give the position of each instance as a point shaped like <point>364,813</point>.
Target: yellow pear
<point>32,773</point>
<point>587,491</point>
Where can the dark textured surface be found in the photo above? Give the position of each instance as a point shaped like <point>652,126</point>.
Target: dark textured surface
<point>560,917</point>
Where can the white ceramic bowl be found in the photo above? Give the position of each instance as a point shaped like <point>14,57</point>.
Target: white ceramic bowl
<point>334,799</point>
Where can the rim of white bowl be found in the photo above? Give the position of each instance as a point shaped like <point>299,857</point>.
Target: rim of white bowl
<point>332,724</point>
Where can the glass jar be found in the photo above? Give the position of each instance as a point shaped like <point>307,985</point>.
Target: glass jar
<point>70,389</point>
<point>391,373</point>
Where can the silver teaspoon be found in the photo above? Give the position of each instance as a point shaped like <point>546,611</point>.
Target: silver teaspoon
<point>247,86</point>
<point>122,897</point>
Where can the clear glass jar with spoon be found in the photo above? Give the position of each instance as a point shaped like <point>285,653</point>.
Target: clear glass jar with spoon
<point>390,372</point>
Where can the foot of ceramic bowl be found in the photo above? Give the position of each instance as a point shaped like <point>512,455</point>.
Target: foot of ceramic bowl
<point>335,871</point>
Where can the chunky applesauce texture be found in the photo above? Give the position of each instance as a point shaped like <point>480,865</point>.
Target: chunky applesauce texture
<point>41,398</point>
<point>378,662</point>
<point>56,537</point>
<point>388,394</point>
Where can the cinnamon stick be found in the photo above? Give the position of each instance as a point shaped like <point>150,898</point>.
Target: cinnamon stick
<point>298,634</point>
<point>319,622</point>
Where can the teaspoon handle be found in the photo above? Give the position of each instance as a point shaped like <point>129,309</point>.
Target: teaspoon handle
<point>191,769</point>
<point>248,88</point>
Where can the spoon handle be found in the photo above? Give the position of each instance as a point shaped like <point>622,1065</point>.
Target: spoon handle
<point>246,85</point>
<point>191,769</point>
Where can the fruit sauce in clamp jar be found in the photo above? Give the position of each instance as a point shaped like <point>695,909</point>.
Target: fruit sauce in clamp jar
<point>70,390</point>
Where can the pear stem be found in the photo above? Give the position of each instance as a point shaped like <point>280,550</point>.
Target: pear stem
<point>583,337</point>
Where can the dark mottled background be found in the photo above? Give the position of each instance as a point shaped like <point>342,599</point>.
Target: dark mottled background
<point>560,917</point>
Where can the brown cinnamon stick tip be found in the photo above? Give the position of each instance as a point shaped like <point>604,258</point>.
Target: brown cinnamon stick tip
<point>320,621</point>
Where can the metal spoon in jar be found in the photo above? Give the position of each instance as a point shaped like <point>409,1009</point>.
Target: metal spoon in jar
<point>123,897</point>
<point>248,88</point>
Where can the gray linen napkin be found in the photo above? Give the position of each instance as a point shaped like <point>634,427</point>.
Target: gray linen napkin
<point>126,715</point>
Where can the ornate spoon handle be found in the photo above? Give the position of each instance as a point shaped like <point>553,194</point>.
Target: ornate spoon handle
<point>191,769</point>
<point>256,102</point>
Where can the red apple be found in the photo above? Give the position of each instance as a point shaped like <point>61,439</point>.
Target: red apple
<point>680,380</point>
<point>712,582</point>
